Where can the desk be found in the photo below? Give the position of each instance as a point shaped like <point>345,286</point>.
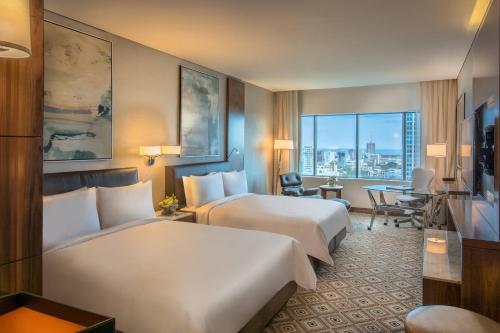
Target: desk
<point>428,194</point>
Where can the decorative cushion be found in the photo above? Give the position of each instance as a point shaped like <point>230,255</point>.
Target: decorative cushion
<point>235,182</point>
<point>346,203</point>
<point>441,318</point>
<point>69,215</point>
<point>206,189</point>
<point>118,205</point>
<point>186,181</point>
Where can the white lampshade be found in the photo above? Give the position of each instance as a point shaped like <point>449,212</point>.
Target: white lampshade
<point>15,35</point>
<point>171,150</point>
<point>150,150</point>
<point>436,150</point>
<point>466,150</point>
<point>283,144</point>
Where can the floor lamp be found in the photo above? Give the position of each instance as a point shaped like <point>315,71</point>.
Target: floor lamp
<point>281,145</point>
<point>438,150</point>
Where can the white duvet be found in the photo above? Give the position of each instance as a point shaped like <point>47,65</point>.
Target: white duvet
<point>313,222</point>
<point>174,276</point>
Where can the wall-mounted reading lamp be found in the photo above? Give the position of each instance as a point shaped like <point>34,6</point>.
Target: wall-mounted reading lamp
<point>151,152</point>
<point>235,150</point>
<point>15,34</point>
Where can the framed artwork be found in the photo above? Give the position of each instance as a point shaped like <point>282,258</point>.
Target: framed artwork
<point>460,116</point>
<point>199,114</point>
<point>78,118</point>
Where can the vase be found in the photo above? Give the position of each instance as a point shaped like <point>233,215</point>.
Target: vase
<point>169,211</point>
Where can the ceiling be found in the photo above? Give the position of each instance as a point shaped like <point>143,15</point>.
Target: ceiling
<point>298,44</point>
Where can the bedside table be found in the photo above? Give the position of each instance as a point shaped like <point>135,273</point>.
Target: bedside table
<point>179,216</point>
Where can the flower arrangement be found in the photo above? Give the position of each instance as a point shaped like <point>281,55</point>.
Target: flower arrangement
<point>332,181</point>
<point>169,205</point>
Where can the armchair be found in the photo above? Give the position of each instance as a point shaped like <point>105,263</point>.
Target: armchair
<point>291,184</point>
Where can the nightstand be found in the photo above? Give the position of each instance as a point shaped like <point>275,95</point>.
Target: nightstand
<point>179,216</point>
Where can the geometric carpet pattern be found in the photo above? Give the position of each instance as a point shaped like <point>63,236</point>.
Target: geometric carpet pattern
<point>375,281</point>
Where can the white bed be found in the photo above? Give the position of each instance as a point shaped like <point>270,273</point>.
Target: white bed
<point>313,222</point>
<point>164,276</point>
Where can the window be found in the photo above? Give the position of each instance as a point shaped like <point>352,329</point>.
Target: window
<point>375,145</point>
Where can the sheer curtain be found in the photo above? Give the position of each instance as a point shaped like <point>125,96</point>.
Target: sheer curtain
<point>286,120</point>
<point>438,103</point>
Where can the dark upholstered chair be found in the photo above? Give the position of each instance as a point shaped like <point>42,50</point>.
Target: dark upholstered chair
<point>291,184</point>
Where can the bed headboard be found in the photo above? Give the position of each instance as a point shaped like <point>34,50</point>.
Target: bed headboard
<point>55,183</point>
<point>173,176</point>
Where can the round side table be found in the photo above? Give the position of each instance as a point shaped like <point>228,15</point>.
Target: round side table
<point>327,188</point>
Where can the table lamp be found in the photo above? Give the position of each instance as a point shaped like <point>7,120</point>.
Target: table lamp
<point>15,33</point>
<point>438,150</point>
<point>281,145</point>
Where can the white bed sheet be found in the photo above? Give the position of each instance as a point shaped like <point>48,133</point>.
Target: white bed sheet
<point>313,222</point>
<point>175,276</point>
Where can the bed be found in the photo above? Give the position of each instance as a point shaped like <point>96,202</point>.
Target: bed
<point>154,275</point>
<point>320,225</point>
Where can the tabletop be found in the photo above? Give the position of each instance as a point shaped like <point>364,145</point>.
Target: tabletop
<point>329,187</point>
<point>432,190</point>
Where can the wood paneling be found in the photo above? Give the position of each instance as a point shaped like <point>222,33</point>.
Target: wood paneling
<point>235,134</point>
<point>21,275</point>
<point>481,281</point>
<point>21,85</point>
<point>440,293</point>
<point>20,198</point>
<point>21,165</point>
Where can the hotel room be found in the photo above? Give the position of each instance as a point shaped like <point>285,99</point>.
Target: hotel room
<point>249,166</point>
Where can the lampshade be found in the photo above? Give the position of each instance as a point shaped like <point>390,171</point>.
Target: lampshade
<point>436,150</point>
<point>466,150</point>
<point>149,150</point>
<point>15,35</point>
<point>171,150</point>
<point>283,144</point>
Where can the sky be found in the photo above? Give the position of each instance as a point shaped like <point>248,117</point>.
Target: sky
<point>340,131</point>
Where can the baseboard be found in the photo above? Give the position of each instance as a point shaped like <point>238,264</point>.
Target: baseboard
<point>369,211</point>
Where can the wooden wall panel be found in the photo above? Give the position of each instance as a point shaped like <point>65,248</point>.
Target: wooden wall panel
<point>235,134</point>
<point>20,198</point>
<point>21,85</point>
<point>21,164</point>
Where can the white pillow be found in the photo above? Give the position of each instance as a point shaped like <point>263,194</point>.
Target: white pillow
<point>235,182</point>
<point>69,215</point>
<point>206,189</point>
<point>118,205</point>
<point>187,191</point>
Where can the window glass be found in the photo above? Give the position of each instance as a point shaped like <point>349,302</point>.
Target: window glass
<point>336,145</point>
<point>307,146</point>
<point>380,149</point>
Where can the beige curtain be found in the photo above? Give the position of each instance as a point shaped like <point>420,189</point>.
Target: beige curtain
<point>439,99</point>
<point>286,119</point>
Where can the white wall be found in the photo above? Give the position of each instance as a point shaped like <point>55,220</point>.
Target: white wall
<point>146,112</point>
<point>383,98</point>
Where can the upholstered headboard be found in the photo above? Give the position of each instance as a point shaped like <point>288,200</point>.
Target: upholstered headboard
<point>55,183</point>
<point>173,176</point>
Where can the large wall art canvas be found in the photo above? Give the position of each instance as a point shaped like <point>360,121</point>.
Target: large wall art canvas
<point>199,125</point>
<point>77,96</point>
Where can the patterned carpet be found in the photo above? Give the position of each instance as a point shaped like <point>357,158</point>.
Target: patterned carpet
<point>375,282</point>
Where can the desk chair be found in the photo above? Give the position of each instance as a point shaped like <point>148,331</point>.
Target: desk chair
<point>382,206</point>
<point>414,204</point>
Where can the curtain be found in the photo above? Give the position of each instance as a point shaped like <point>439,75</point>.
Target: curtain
<point>438,103</point>
<point>286,120</point>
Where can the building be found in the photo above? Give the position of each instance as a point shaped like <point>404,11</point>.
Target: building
<point>307,160</point>
<point>370,147</point>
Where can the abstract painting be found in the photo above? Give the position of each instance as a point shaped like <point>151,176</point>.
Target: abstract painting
<point>199,125</point>
<point>77,95</point>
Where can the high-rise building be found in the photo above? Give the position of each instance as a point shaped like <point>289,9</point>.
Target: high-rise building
<point>370,147</point>
<point>412,141</point>
<point>307,160</point>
